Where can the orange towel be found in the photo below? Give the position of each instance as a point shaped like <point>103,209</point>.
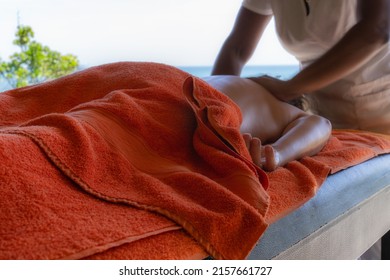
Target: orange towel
<point>115,161</point>
<point>122,152</point>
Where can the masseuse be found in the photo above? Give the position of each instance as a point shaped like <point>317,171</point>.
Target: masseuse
<point>343,50</point>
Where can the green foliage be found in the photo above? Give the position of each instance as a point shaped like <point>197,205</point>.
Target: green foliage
<point>34,63</point>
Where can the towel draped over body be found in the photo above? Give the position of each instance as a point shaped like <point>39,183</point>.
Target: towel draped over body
<point>142,160</point>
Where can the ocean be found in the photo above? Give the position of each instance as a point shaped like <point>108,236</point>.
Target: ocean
<point>278,71</point>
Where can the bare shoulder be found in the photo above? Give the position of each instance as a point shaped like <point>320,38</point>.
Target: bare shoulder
<point>241,90</point>
<point>264,116</point>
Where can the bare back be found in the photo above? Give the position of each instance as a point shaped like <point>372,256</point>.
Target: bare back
<point>264,116</point>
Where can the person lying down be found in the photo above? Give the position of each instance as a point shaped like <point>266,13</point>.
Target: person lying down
<point>275,132</point>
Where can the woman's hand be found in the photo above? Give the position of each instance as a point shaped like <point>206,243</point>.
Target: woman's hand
<point>265,157</point>
<point>281,89</point>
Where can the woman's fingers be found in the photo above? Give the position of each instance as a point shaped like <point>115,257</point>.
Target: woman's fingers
<point>263,156</point>
<point>255,151</point>
<point>271,158</point>
<point>247,138</point>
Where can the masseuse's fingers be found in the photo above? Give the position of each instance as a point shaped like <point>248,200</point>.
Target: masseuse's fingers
<point>278,88</point>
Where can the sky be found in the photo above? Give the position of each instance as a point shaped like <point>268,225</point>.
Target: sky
<point>176,32</point>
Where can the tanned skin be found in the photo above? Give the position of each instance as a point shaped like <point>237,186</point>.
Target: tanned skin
<point>275,132</point>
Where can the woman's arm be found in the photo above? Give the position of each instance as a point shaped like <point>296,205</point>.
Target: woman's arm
<point>241,43</point>
<point>304,136</point>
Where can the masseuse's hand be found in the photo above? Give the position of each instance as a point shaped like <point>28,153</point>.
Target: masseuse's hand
<point>265,156</point>
<point>281,89</point>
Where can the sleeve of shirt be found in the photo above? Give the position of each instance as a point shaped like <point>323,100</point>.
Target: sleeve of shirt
<point>262,7</point>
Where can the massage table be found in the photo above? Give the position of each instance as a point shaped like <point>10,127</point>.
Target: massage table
<point>349,213</point>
